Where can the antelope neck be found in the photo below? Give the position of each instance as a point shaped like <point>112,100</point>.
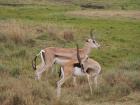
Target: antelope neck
<point>87,49</point>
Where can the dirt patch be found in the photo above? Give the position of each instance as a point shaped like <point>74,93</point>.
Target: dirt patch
<point>106,13</point>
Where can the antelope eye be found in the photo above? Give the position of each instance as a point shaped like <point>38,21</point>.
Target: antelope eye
<point>94,41</point>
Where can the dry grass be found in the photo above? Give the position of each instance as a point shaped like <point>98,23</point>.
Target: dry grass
<point>22,32</point>
<point>68,35</point>
<point>27,91</point>
<point>19,32</point>
<point>106,13</point>
<point>61,33</point>
<point>24,92</point>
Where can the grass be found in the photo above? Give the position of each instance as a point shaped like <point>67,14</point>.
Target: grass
<point>26,29</point>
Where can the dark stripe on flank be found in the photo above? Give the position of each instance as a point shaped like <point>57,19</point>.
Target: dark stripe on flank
<point>64,57</point>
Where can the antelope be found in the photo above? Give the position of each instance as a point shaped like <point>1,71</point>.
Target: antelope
<point>73,69</point>
<point>51,55</point>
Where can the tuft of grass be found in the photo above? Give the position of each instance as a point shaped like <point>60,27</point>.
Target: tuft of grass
<point>20,53</point>
<point>3,70</point>
<point>120,90</point>
<point>15,72</point>
<point>113,78</point>
<point>130,65</point>
<point>14,32</point>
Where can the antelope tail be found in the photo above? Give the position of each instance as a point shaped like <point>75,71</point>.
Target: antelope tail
<point>42,57</point>
<point>34,63</point>
<point>60,72</point>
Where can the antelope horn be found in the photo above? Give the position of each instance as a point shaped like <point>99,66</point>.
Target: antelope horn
<point>91,34</point>
<point>78,55</point>
<point>79,59</point>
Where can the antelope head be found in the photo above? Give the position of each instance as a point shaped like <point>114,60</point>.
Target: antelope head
<point>92,42</point>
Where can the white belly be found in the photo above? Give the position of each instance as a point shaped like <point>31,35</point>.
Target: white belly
<point>77,72</point>
<point>61,61</point>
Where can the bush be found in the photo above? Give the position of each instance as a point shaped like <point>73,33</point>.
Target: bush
<point>95,5</point>
<point>68,35</point>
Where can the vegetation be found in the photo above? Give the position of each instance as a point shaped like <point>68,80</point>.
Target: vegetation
<point>28,26</point>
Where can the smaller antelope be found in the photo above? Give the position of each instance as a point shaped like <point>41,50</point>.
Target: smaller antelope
<point>74,68</point>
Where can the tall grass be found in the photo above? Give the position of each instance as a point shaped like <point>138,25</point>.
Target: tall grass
<point>27,92</point>
<point>14,31</point>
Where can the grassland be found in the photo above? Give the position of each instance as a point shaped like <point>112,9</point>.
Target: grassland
<point>27,28</point>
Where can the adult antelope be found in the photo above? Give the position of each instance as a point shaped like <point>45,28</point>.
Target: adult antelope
<point>73,69</point>
<point>51,55</point>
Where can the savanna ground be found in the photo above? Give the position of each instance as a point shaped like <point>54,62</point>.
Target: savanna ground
<point>28,26</point>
